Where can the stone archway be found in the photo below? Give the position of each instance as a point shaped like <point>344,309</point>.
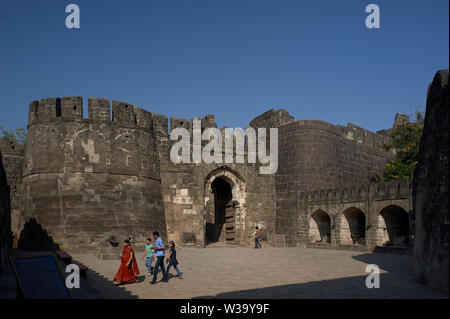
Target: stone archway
<point>393,224</point>
<point>319,227</point>
<point>352,227</point>
<point>224,207</point>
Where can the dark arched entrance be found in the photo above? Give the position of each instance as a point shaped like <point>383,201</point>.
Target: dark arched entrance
<point>353,227</point>
<point>320,227</point>
<point>395,226</point>
<point>220,226</point>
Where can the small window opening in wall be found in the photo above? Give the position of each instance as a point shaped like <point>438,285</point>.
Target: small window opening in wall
<point>74,107</point>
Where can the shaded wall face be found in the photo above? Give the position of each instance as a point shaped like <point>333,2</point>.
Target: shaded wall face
<point>13,165</point>
<point>80,210</point>
<point>5,227</point>
<point>13,168</point>
<point>430,261</point>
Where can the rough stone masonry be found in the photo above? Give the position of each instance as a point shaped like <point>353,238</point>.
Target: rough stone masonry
<point>86,178</point>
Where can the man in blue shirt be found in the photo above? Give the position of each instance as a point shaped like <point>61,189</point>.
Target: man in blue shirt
<point>159,254</point>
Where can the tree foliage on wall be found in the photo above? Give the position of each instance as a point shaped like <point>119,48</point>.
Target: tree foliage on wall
<point>19,135</point>
<point>404,140</point>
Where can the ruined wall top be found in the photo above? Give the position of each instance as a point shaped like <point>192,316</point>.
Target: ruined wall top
<point>272,118</point>
<point>9,147</point>
<point>401,119</point>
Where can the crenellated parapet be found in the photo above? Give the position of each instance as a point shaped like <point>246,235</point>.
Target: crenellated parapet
<point>393,190</point>
<point>70,109</point>
<point>121,140</point>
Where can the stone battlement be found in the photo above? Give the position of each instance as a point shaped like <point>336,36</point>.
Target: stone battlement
<point>382,191</point>
<point>70,109</point>
<point>101,111</point>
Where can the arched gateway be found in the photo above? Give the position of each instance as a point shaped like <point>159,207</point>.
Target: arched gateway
<point>224,207</point>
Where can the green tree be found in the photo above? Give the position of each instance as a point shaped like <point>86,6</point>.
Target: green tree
<point>404,140</point>
<point>19,135</point>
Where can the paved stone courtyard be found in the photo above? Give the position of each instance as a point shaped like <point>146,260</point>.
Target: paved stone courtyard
<point>236,272</point>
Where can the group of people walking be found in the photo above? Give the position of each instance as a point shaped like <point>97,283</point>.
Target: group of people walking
<point>129,269</point>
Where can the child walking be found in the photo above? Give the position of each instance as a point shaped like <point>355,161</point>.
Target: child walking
<point>148,256</point>
<point>172,259</point>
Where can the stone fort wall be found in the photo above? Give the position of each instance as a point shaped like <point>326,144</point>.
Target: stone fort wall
<point>316,155</point>
<point>111,173</point>
<point>188,197</point>
<point>84,179</point>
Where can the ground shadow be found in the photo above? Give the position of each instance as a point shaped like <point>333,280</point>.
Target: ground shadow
<point>105,287</point>
<point>34,238</point>
<point>342,288</point>
<point>395,264</point>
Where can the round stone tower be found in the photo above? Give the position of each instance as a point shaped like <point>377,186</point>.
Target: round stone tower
<point>85,179</point>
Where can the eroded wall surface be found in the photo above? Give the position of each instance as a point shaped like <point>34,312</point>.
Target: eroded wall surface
<point>85,179</point>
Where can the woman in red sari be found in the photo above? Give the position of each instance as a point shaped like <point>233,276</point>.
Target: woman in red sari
<point>128,270</point>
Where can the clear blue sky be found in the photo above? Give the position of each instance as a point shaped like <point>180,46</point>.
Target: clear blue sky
<point>233,58</point>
